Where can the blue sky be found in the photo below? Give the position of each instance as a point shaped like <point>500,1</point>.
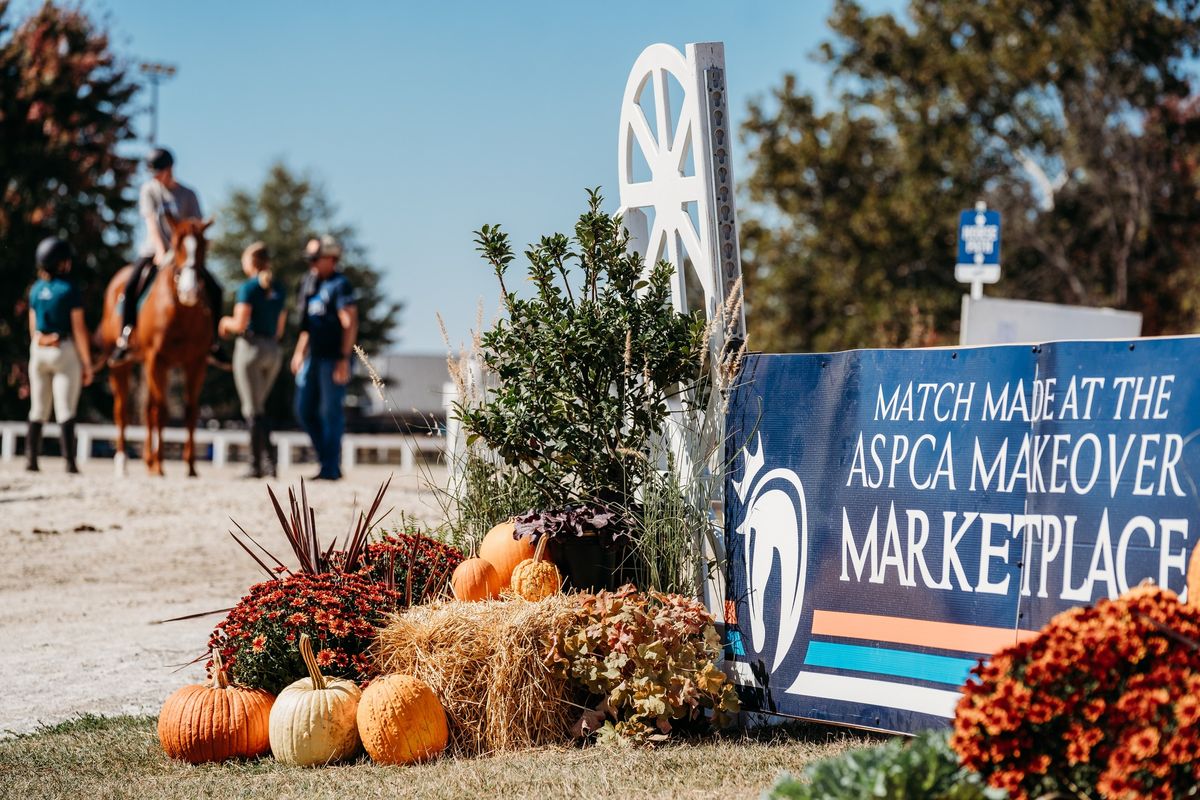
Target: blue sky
<point>425,121</point>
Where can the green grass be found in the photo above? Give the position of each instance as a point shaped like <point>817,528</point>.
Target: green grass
<point>119,757</point>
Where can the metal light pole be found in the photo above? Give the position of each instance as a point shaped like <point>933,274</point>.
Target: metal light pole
<point>155,72</point>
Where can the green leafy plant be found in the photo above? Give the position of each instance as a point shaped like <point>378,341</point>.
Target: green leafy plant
<point>648,662</point>
<point>924,768</point>
<point>585,366</point>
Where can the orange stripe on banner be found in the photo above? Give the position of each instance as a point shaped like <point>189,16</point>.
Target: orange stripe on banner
<point>926,633</point>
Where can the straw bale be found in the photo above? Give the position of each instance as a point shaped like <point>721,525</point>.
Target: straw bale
<point>486,661</point>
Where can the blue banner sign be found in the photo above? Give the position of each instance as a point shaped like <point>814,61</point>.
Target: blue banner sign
<point>893,516</point>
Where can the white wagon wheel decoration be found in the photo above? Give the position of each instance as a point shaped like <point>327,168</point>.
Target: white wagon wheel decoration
<point>667,153</point>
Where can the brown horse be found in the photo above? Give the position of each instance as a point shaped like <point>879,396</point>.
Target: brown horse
<point>174,329</point>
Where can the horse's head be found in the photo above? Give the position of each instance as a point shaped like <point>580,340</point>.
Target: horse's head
<point>188,248</point>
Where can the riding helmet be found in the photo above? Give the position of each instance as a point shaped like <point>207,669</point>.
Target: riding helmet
<point>159,159</point>
<point>52,251</point>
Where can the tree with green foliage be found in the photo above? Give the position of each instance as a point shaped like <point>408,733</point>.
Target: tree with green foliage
<point>65,105</point>
<point>284,212</point>
<point>1074,119</point>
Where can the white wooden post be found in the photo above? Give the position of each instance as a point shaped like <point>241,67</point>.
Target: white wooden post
<point>8,444</point>
<point>691,164</point>
<point>284,461</point>
<point>83,446</point>
<point>220,451</point>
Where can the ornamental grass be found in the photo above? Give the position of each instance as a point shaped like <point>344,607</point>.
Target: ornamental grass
<point>486,662</point>
<point>1103,703</point>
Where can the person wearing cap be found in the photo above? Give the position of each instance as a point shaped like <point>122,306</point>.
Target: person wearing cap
<point>161,196</point>
<point>257,320</point>
<point>328,317</point>
<point>60,362</point>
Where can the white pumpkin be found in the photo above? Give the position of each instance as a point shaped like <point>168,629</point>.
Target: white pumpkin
<point>314,720</point>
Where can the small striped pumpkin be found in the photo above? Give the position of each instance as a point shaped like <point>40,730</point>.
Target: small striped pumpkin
<point>536,578</point>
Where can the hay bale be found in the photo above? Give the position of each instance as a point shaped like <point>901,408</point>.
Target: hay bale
<point>486,661</point>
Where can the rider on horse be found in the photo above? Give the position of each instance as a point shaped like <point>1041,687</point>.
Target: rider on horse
<point>161,196</point>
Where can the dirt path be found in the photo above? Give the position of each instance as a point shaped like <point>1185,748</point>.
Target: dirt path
<point>89,562</point>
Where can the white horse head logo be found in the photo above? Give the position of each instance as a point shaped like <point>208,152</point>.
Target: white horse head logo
<point>773,524</point>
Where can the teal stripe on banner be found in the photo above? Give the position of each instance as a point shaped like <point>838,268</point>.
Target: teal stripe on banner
<point>881,661</point>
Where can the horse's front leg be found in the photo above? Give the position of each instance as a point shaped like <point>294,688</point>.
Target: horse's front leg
<point>193,383</point>
<point>118,378</point>
<point>156,413</point>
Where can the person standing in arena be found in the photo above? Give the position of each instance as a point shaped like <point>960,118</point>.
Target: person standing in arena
<point>328,316</point>
<point>60,363</point>
<point>258,319</point>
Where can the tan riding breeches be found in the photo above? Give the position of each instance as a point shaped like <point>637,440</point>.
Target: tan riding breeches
<point>256,364</point>
<point>55,376</point>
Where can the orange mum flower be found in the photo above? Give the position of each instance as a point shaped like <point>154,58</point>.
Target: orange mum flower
<point>1105,698</point>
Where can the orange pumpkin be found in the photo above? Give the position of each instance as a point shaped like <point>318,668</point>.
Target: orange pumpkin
<point>535,579</point>
<point>215,721</point>
<point>476,579</point>
<point>503,551</point>
<point>401,721</point>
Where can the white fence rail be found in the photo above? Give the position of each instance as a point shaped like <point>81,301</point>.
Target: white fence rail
<point>285,443</point>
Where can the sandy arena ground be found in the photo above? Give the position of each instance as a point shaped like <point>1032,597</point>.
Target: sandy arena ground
<point>88,563</point>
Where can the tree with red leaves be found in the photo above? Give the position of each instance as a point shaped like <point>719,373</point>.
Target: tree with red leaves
<point>65,105</point>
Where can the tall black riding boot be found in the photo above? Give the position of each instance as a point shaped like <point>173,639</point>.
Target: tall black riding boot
<point>33,446</point>
<point>256,449</point>
<point>217,357</point>
<point>268,452</point>
<point>142,272</point>
<point>68,445</point>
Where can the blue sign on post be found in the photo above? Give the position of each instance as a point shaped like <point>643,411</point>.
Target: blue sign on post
<point>892,516</point>
<point>978,246</point>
